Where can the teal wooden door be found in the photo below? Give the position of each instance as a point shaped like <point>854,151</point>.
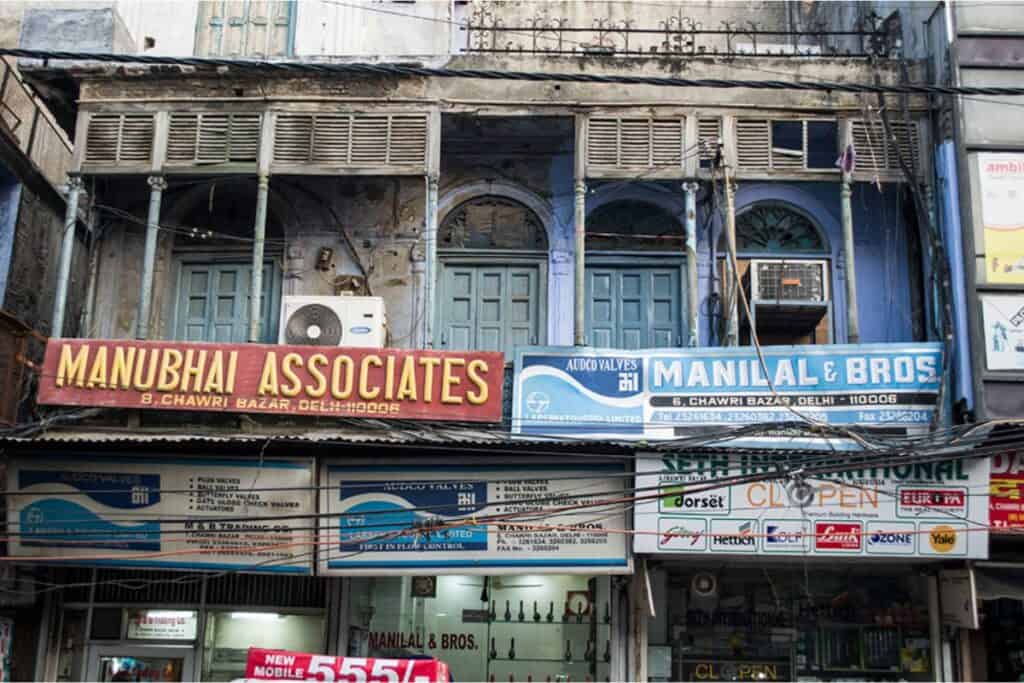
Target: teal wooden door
<point>633,308</point>
<point>490,308</point>
<point>213,302</point>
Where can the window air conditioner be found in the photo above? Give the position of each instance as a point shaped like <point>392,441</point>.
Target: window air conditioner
<point>357,321</point>
<point>787,282</point>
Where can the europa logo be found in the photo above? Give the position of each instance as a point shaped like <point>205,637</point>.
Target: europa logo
<point>942,538</point>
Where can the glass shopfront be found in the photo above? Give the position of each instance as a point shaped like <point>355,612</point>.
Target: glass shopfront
<point>498,628</point>
<point>783,624</point>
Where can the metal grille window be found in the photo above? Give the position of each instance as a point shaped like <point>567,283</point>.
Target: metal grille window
<point>245,28</point>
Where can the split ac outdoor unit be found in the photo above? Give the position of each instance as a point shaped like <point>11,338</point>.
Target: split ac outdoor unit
<point>333,321</point>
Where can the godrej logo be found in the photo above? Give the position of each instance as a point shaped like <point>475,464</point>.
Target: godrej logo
<point>681,533</point>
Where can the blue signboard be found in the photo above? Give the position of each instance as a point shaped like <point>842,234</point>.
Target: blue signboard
<point>667,393</point>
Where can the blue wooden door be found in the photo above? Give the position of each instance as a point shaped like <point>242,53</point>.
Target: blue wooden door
<point>633,307</point>
<point>214,300</point>
<point>490,308</point>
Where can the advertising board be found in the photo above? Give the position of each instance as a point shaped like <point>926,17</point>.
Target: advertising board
<point>914,510</point>
<point>666,393</point>
<point>382,517</point>
<point>132,511</point>
<point>259,378</point>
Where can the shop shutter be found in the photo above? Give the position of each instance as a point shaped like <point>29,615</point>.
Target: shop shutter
<point>361,140</point>
<point>490,308</point>
<point>213,303</point>
<point>213,138</point>
<point>119,139</point>
<point>633,308</point>
<point>634,143</point>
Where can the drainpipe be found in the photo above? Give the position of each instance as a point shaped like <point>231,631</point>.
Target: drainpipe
<point>157,185</point>
<point>67,249</point>
<point>430,264</point>
<point>852,318</point>
<point>690,190</point>
<point>732,334</point>
<point>259,236</point>
<point>580,234</point>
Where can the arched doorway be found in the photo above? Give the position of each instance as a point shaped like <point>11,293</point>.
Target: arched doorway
<point>213,241</point>
<point>784,267</point>
<point>634,275</point>
<point>492,252</point>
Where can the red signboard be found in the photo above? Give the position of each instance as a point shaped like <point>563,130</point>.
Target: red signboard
<point>282,665</point>
<point>259,378</point>
<point>1006,491</point>
<point>837,535</point>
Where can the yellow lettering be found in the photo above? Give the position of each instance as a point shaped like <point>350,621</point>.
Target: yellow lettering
<point>429,364</point>
<point>448,380</point>
<point>98,374</point>
<point>215,376</point>
<point>268,378</point>
<point>121,368</point>
<point>473,370</point>
<point>288,364</point>
<point>193,370</point>
<point>72,370</point>
<point>320,388</point>
<point>137,382</point>
<point>389,379</point>
<point>232,368</point>
<point>170,365</point>
<point>364,371</point>
<point>407,383</point>
<point>336,391</point>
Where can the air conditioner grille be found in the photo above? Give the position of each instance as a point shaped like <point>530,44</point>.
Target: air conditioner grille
<point>313,325</point>
<point>790,281</point>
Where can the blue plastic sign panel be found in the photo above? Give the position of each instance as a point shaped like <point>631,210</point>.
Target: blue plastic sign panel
<point>668,393</point>
<point>928,510</point>
<point>171,512</point>
<point>387,519</point>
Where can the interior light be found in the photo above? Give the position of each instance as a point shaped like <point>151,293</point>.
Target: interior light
<point>170,614</point>
<point>257,616</point>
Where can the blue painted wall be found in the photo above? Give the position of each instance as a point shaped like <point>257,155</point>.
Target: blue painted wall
<point>10,198</point>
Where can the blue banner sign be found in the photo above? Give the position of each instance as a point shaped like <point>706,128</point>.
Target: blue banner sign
<point>666,393</point>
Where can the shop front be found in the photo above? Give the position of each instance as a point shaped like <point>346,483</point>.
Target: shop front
<point>509,591</point>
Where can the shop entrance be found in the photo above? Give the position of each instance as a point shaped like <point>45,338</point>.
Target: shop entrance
<point>139,663</point>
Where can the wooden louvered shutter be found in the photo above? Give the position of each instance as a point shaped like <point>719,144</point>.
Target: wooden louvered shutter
<point>753,143</point>
<point>635,143</point>
<point>360,140</point>
<point>709,132</point>
<point>119,138</point>
<point>213,138</point>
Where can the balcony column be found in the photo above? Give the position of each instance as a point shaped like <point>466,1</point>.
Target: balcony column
<point>67,249</point>
<point>852,318</point>
<point>690,222</point>
<point>732,334</point>
<point>157,185</point>
<point>430,261</point>
<point>580,239</point>
<point>259,238</point>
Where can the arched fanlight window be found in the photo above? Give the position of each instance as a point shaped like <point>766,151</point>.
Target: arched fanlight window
<point>775,228</point>
<point>631,225</point>
<point>491,222</point>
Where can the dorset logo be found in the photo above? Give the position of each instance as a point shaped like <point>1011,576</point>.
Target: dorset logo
<point>837,535</point>
<point>942,538</point>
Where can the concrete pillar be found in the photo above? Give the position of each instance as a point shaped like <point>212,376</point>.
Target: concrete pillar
<point>690,222</point>
<point>67,249</point>
<point>157,185</point>
<point>852,317</point>
<point>580,240</point>
<point>259,238</point>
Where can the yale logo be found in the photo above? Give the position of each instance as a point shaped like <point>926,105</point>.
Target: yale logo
<point>942,538</point>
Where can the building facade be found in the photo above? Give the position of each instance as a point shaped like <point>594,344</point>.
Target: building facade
<point>590,290</point>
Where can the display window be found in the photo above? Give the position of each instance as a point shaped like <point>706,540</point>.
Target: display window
<point>230,634</point>
<point>498,628</point>
<point>772,624</point>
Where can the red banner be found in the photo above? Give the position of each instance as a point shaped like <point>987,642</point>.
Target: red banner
<point>1006,491</point>
<point>259,378</point>
<point>282,665</point>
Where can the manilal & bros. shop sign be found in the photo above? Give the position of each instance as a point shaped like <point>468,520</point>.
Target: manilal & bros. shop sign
<point>261,378</point>
<point>665,393</point>
<point>924,509</point>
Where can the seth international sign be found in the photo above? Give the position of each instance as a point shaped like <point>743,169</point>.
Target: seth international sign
<point>258,378</point>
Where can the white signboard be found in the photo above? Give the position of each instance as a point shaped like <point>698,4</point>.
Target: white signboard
<point>179,512</point>
<point>1003,317</point>
<point>158,624</point>
<point>380,519</point>
<point>958,598</point>
<point>913,510</point>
